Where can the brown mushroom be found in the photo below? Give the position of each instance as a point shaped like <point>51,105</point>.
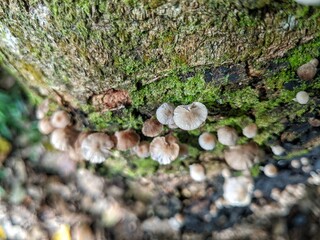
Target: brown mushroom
<point>152,128</point>
<point>126,139</point>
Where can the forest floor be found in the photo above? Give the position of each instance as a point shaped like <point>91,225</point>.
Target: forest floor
<point>46,195</point>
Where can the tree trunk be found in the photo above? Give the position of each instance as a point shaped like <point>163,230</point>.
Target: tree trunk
<point>102,55</point>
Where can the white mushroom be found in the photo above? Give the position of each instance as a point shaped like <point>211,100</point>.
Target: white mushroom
<point>242,157</point>
<point>197,172</point>
<point>207,141</point>
<point>190,117</point>
<point>250,131</point>
<point>270,170</point>
<point>164,114</point>
<point>163,150</point>
<point>45,126</point>
<point>227,136</point>
<point>309,2</point>
<point>277,150</point>
<point>96,147</point>
<point>237,191</point>
<point>302,97</point>
<point>60,119</point>
<point>63,139</point>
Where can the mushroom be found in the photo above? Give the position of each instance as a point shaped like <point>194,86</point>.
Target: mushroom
<point>152,127</point>
<point>63,139</point>
<point>309,2</point>
<point>126,139</point>
<point>270,170</point>
<point>45,126</point>
<point>96,147</point>
<point>60,119</point>
<point>250,131</point>
<point>164,114</point>
<point>237,191</point>
<point>183,150</point>
<point>164,150</point>
<point>197,172</point>
<point>227,136</point>
<point>75,153</point>
<point>277,150</point>
<point>142,149</point>
<point>308,70</point>
<point>190,117</point>
<point>302,97</point>
<point>207,141</point>
<point>242,157</point>
<point>42,109</point>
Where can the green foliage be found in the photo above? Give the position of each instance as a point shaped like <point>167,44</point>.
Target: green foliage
<point>14,115</point>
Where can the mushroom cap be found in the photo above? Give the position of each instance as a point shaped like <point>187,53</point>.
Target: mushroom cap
<point>237,191</point>
<point>42,109</point>
<point>277,150</point>
<point>302,97</point>
<point>45,126</point>
<point>76,153</point>
<point>250,131</point>
<point>163,150</point>
<point>227,136</point>
<point>190,117</point>
<point>152,128</point>
<point>126,139</point>
<point>270,170</point>
<point>60,119</point>
<point>197,172</point>
<point>183,150</point>
<point>164,114</point>
<point>142,149</point>
<point>314,62</point>
<point>309,2</point>
<point>242,157</point>
<point>307,71</point>
<point>96,147</point>
<point>207,141</point>
<point>63,139</point>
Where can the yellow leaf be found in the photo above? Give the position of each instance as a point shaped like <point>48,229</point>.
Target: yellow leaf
<point>63,233</point>
<point>3,235</point>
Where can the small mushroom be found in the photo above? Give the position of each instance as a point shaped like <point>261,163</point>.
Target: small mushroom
<point>142,149</point>
<point>183,150</point>
<point>76,153</point>
<point>250,131</point>
<point>190,117</point>
<point>197,172</point>
<point>309,2</point>
<point>152,128</point>
<point>163,150</point>
<point>242,157</point>
<point>96,147</point>
<point>63,139</point>
<point>270,170</point>
<point>227,136</point>
<point>307,71</point>
<point>45,126</point>
<point>302,97</point>
<point>60,119</point>
<point>126,139</point>
<point>164,114</point>
<point>237,191</point>
<point>42,109</point>
<point>207,141</point>
<point>277,150</point>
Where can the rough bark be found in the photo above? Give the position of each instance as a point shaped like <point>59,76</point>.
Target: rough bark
<point>84,48</point>
<point>102,55</point>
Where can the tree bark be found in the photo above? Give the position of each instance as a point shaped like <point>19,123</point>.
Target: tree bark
<point>106,55</point>
<point>84,48</point>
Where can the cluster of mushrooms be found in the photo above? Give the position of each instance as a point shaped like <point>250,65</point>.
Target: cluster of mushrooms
<point>97,146</point>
